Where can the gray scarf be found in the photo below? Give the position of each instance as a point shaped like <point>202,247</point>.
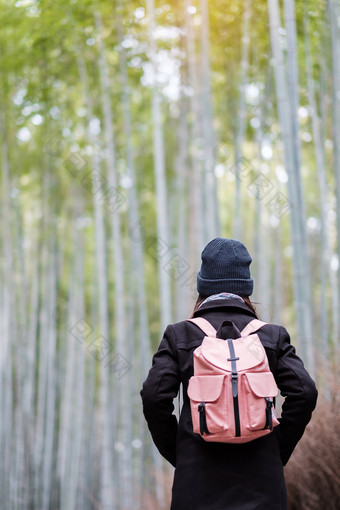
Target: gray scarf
<point>222,295</point>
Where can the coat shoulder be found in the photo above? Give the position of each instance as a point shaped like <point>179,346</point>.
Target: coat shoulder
<point>270,335</point>
<point>187,335</point>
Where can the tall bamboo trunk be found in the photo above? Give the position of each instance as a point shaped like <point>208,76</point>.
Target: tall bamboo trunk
<point>278,275</point>
<point>122,346</point>
<point>90,467</point>
<point>72,380</point>
<point>260,259</point>
<point>7,302</point>
<point>211,215</point>
<point>286,102</point>
<point>107,481</point>
<point>335,48</point>
<point>160,178</point>
<point>324,209</point>
<point>42,346</point>
<point>196,232</point>
<point>241,122</point>
<point>182,297</point>
<point>29,389</point>
<point>143,348</point>
<point>50,406</point>
<point>76,471</point>
<point>324,105</point>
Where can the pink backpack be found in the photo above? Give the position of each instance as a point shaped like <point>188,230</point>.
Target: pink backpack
<point>231,392</point>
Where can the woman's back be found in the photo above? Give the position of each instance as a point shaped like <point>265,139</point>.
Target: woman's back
<point>221,476</point>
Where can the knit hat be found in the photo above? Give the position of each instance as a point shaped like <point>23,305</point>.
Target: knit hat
<point>225,268</point>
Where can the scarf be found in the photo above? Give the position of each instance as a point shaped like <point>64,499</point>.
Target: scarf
<point>222,295</point>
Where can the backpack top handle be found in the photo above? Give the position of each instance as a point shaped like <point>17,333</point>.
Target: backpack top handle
<point>209,329</point>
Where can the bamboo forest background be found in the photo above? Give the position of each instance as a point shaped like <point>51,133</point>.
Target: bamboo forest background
<point>132,133</point>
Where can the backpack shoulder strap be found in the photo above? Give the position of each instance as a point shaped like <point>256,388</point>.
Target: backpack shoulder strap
<point>204,325</point>
<point>252,326</point>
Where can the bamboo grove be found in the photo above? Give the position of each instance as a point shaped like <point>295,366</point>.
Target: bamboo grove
<point>132,133</point>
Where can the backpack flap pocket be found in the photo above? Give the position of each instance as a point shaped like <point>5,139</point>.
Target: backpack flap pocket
<point>262,384</point>
<point>260,390</point>
<point>208,404</point>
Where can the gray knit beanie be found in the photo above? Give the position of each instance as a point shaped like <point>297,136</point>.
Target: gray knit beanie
<point>225,268</point>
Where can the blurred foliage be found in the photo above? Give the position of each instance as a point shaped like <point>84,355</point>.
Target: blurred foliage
<point>45,114</point>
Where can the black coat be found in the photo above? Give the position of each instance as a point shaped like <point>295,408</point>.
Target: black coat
<point>221,476</point>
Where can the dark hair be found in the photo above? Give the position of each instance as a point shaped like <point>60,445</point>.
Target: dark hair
<point>201,298</point>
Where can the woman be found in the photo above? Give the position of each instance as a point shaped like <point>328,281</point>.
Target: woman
<point>223,476</point>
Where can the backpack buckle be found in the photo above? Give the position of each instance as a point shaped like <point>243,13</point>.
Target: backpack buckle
<point>233,359</point>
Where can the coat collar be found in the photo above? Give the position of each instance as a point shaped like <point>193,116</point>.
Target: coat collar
<point>224,303</point>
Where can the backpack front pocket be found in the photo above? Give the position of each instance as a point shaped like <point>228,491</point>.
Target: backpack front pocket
<point>260,391</point>
<point>208,402</point>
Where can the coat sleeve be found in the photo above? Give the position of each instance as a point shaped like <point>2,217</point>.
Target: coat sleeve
<point>158,391</point>
<point>300,394</point>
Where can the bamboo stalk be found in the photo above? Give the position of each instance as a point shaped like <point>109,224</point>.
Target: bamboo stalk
<point>287,113</point>
<point>211,217</point>
<point>241,115</point>
<point>335,54</point>
<point>320,165</point>
<point>196,234</point>
<point>160,177</point>
<point>107,491</point>
<point>122,348</point>
<point>143,348</point>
